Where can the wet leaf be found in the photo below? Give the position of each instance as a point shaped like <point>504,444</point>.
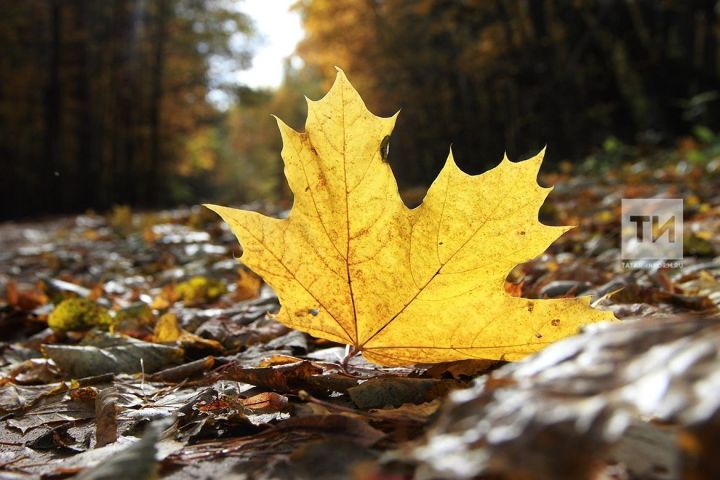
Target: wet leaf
<point>395,391</point>
<point>61,410</point>
<point>106,410</point>
<point>328,459</point>
<point>113,355</point>
<point>15,397</point>
<point>356,429</point>
<point>136,461</point>
<point>185,371</point>
<point>408,412</point>
<point>282,378</point>
<point>35,371</point>
<point>267,402</point>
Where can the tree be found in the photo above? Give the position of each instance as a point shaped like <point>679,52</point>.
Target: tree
<point>98,99</point>
<point>490,76</point>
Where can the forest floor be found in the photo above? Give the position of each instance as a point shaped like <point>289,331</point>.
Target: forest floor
<point>167,361</point>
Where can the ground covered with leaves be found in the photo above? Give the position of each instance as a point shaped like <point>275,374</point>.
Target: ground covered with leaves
<point>136,344</point>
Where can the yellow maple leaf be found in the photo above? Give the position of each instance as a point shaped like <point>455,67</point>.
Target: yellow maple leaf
<point>354,265</point>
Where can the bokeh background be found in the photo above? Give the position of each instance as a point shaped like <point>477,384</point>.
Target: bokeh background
<point>155,103</point>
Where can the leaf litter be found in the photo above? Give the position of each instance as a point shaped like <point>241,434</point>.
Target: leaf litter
<point>238,393</point>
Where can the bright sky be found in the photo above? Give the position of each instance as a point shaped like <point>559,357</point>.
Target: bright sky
<point>280,31</point>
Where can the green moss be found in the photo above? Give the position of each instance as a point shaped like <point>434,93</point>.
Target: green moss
<point>200,290</point>
<point>78,314</point>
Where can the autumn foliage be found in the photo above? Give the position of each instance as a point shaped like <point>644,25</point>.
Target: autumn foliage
<point>354,265</point>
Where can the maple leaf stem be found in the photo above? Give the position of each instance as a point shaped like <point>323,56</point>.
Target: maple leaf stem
<point>350,352</point>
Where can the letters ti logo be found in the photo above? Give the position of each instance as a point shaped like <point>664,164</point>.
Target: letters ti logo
<point>652,229</point>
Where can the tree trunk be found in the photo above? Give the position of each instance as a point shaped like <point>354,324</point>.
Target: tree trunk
<point>51,174</point>
<point>151,195</point>
<point>85,138</point>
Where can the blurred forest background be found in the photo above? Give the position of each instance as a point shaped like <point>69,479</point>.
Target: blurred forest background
<point>107,102</point>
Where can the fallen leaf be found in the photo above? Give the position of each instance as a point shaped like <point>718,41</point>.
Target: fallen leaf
<point>53,413</point>
<point>407,412</point>
<point>266,402</point>
<point>106,411</point>
<point>282,378</point>
<point>617,392</point>
<point>331,458</point>
<point>24,299</point>
<point>168,330</point>
<point>461,369</point>
<point>200,290</point>
<point>247,286</point>
<point>354,265</point>
<point>73,436</point>
<point>275,360</point>
<point>396,391</point>
<point>217,411</point>
<point>16,397</point>
<point>112,355</point>
<point>183,372</point>
<point>35,371</point>
<point>83,394</point>
<point>136,461</point>
<point>358,430</point>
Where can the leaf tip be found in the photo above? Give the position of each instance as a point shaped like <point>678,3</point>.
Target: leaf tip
<point>283,127</point>
<point>280,123</point>
<point>450,161</point>
<point>393,118</point>
<point>601,314</point>
<point>340,76</point>
<point>219,209</point>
